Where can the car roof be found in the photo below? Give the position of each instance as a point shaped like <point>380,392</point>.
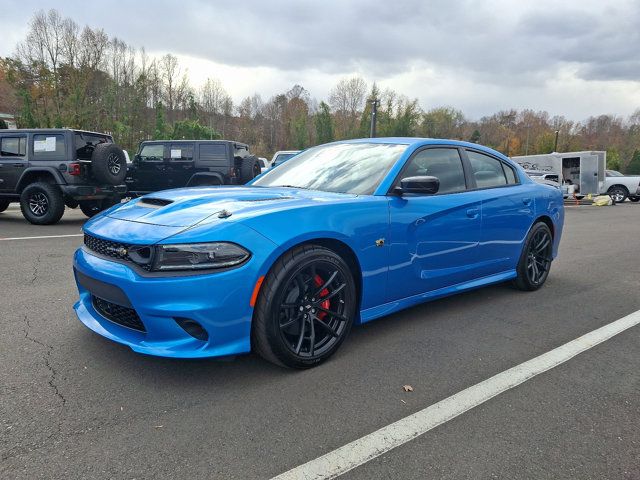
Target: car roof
<point>53,130</point>
<point>419,142</point>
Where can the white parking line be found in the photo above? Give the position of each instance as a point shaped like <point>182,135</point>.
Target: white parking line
<point>42,236</point>
<point>360,451</point>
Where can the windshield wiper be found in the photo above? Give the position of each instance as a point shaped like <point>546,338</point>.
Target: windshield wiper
<point>290,186</point>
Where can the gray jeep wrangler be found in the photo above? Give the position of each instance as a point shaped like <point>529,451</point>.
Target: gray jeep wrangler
<point>46,169</point>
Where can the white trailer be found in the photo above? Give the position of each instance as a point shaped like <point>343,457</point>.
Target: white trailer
<point>586,169</point>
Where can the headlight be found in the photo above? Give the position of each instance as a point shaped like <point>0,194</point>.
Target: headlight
<point>199,256</point>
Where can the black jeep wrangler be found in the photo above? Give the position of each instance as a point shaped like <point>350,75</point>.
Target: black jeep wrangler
<point>163,164</point>
<point>46,169</point>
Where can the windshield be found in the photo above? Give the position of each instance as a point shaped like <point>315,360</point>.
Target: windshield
<point>355,168</point>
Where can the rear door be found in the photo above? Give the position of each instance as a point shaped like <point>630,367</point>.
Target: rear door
<point>433,238</point>
<point>507,211</point>
<point>13,160</point>
<point>589,174</point>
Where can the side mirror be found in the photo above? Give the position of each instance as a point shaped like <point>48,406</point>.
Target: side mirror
<point>422,185</point>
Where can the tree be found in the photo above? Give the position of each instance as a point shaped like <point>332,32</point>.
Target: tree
<point>346,100</point>
<point>613,160</point>
<point>634,165</point>
<point>324,124</point>
<point>3,124</point>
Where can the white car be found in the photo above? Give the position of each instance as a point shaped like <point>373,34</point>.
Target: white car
<point>282,156</point>
<point>620,187</point>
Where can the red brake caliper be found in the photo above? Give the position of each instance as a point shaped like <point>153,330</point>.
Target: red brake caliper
<point>318,281</point>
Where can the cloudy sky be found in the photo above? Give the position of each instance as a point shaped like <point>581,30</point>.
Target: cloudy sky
<point>575,58</point>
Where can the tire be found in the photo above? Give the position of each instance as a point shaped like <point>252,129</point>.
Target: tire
<point>71,203</point>
<point>93,207</point>
<point>529,276</point>
<point>4,204</point>
<point>285,307</point>
<point>618,193</point>
<point>249,169</point>
<point>206,182</point>
<point>42,203</point>
<point>108,164</point>
<point>634,199</point>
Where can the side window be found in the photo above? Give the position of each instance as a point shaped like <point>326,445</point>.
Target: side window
<point>511,174</point>
<point>181,151</point>
<point>48,146</point>
<point>487,170</point>
<point>443,163</point>
<point>13,146</point>
<point>215,152</point>
<point>152,153</point>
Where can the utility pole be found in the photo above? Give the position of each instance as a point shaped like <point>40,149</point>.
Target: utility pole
<point>555,145</point>
<point>375,103</point>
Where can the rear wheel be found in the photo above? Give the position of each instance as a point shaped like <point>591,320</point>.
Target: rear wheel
<point>535,260</point>
<point>305,308</point>
<point>93,207</point>
<point>4,204</point>
<point>618,193</point>
<point>42,203</point>
<point>634,199</point>
<point>249,169</point>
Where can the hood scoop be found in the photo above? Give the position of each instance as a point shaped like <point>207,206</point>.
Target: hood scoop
<point>154,202</point>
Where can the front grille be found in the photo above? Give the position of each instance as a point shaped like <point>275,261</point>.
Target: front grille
<point>124,316</point>
<point>140,255</point>
<point>107,247</point>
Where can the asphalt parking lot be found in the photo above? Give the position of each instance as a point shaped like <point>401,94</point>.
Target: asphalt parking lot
<point>74,405</point>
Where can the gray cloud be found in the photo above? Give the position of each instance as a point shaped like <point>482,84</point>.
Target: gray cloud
<point>517,45</point>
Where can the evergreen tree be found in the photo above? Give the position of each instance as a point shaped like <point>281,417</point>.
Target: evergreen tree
<point>634,165</point>
<point>324,124</point>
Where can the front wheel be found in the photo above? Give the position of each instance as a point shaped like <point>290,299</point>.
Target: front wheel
<point>535,259</point>
<point>305,309</point>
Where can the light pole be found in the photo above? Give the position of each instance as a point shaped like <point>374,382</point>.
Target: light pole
<point>555,145</point>
<point>375,103</point>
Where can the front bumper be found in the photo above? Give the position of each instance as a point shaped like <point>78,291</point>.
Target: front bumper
<point>219,302</point>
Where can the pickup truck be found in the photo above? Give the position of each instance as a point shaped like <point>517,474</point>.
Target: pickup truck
<point>620,187</point>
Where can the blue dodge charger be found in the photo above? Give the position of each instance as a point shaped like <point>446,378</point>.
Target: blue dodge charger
<point>342,233</point>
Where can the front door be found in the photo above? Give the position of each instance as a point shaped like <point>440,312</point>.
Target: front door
<point>433,238</point>
<point>13,160</point>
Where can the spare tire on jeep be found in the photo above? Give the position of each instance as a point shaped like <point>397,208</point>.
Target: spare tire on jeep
<point>108,164</point>
<point>249,168</point>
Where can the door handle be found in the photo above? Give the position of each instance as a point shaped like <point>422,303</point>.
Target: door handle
<point>18,164</point>
<point>526,201</point>
<point>473,212</point>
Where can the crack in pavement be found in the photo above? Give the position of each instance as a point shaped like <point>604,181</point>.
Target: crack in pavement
<point>46,357</point>
<point>35,270</point>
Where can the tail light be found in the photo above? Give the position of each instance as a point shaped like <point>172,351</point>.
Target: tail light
<point>74,169</point>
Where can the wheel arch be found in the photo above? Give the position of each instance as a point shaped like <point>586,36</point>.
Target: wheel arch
<point>47,175</point>
<point>208,175</point>
<point>337,246</point>
<point>546,220</point>
<point>618,185</point>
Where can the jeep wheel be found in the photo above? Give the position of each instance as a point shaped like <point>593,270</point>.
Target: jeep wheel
<point>108,164</point>
<point>4,204</point>
<point>42,203</point>
<point>93,207</point>
<point>249,169</point>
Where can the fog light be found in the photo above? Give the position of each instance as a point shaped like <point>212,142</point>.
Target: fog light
<point>193,328</point>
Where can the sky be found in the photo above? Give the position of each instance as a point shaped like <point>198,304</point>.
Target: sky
<point>575,58</point>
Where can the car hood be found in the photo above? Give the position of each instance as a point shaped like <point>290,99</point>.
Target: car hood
<point>187,207</point>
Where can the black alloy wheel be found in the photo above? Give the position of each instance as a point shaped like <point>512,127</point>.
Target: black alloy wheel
<point>42,203</point>
<point>305,308</point>
<point>535,260</point>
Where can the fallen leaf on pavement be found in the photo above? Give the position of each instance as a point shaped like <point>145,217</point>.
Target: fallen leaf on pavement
<point>407,388</point>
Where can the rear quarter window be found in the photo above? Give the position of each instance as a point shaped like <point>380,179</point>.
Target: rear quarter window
<point>48,146</point>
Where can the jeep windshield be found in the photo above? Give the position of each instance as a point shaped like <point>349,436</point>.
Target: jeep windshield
<point>355,168</point>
